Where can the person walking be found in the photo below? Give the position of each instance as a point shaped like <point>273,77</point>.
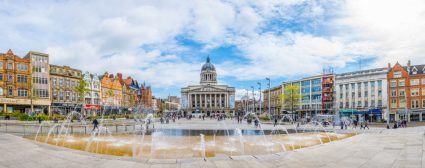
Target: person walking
<point>366,125</point>
<point>95,123</point>
<point>275,122</point>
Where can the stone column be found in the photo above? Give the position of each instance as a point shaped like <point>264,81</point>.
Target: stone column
<point>215,100</point>
<point>205,99</point>
<point>5,108</point>
<point>219,103</point>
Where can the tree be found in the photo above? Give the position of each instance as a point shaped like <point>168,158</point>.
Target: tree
<point>291,97</point>
<point>82,90</point>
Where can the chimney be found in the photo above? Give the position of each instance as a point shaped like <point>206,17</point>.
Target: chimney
<point>111,76</point>
<point>408,66</point>
<point>389,67</point>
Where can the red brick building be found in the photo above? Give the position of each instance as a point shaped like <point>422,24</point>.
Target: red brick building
<point>406,92</point>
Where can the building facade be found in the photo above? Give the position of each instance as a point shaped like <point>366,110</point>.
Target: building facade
<point>111,93</point>
<point>146,96</point>
<point>15,83</point>
<point>362,95</point>
<point>65,97</point>
<point>40,74</point>
<point>406,92</point>
<point>209,97</point>
<point>275,100</point>
<point>92,98</point>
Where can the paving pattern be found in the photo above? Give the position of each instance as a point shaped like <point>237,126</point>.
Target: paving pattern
<point>376,148</point>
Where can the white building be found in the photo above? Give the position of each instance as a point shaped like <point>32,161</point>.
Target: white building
<point>92,97</point>
<point>208,97</point>
<point>362,94</point>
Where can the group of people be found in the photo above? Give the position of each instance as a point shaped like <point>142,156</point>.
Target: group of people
<point>344,124</point>
<point>400,124</point>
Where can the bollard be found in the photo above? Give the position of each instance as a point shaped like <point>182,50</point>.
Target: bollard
<point>72,130</point>
<point>85,129</point>
<point>116,128</point>
<point>125,128</point>
<point>24,129</point>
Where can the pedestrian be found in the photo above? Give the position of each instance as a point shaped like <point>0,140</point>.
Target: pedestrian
<point>203,117</point>
<point>39,120</point>
<point>161,120</point>
<point>365,125</point>
<point>95,123</point>
<point>275,122</point>
<point>342,124</point>
<point>256,123</point>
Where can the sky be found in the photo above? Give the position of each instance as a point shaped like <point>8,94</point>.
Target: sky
<point>164,43</point>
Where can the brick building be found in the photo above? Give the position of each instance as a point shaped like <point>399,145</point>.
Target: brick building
<point>406,90</point>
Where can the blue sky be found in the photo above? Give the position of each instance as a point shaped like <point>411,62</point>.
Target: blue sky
<point>165,42</point>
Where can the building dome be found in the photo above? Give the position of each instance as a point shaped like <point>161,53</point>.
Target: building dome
<point>208,65</point>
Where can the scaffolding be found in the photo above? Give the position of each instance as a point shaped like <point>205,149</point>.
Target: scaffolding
<point>328,80</point>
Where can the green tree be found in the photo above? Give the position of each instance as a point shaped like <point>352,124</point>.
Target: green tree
<point>291,97</point>
<point>82,90</point>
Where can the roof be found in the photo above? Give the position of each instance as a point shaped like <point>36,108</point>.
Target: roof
<point>208,65</point>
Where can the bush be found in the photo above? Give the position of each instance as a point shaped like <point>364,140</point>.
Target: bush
<point>264,118</point>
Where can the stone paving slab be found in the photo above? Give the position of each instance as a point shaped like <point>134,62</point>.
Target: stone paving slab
<point>381,148</point>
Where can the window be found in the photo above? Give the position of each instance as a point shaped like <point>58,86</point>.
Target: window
<point>9,65</point>
<point>393,103</point>
<point>401,92</point>
<point>393,83</point>
<point>366,93</point>
<point>22,79</point>
<point>60,82</point>
<point>366,85</point>
<point>1,77</point>
<point>415,104</point>
<point>23,67</point>
<point>402,103</point>
<point>10,77</point>
<point>60,95</point>
<point>67,83</point>
<point>55,95</point>
<point>379,93</point>
<point>414,82</point>
<point>366,103</point>
<point>22,92</point>
<point>414,92</point>
<point>393,93</point>
<point>88,101</point>
<point>352,86</point>
<point>397,74</point>
<point>67,98</point>
<point>423,81</point>
<point>372,84</point>
<point>1,91</point>
<point>359,85</point>
<point>423,91</point>
<point>54,82</point>
<point>74,96</point>
<point>43,93</point>
<point>73,84</point>
<point>10,90</point>
<point>379,103</point>
<point>401,82</point>
<point>1,64</point>
<point>380,83</point>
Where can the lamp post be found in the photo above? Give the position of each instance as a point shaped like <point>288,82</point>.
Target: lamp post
<point>253,98</point>
<point>259,88</point>
<point>268,79</point>
<point>246,102</point>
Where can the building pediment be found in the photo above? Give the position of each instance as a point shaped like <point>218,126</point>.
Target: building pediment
<point>206,88</point>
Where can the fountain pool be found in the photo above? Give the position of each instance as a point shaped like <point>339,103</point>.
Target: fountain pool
<point>172,145</point>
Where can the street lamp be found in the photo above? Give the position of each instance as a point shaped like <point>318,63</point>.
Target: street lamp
<point>259,88</point>
<point>268,79</point>
<point>253,98</point>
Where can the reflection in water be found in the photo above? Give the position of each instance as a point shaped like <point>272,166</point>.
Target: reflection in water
<point>173,145</point>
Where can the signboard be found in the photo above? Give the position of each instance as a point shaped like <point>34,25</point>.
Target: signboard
<point>232,101</point>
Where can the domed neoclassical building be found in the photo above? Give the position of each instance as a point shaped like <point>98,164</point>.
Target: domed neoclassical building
<point>208,98</point>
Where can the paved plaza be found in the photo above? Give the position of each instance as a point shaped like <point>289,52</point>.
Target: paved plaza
<point>374,148</point>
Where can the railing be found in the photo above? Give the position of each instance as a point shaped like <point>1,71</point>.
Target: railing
<point>31,129</point>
